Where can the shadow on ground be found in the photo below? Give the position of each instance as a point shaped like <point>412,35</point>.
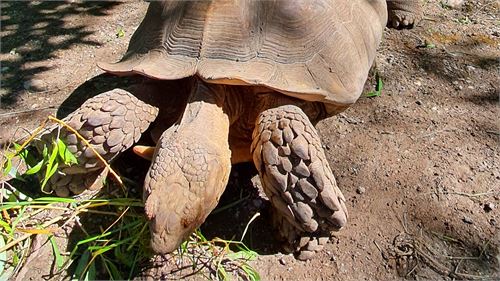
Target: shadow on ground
<point>34,31</point>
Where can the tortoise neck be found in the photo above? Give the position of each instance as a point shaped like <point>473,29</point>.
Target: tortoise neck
<point>243,104</point>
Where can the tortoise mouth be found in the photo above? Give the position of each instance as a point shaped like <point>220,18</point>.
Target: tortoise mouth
<point>162,243</point>
<point>168,232</point>
<point>166,215</point>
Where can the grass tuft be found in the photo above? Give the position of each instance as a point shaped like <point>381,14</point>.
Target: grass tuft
<point>112,231</point>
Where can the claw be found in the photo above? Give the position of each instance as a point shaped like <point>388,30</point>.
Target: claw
<point>144,151</point>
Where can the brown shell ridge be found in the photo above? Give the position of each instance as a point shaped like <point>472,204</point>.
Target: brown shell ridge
<point>308,49</point>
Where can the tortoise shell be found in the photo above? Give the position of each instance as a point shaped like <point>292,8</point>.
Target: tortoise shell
<point>316,50</point>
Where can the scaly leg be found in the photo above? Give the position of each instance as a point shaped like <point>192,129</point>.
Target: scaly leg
<point>296,177</point>
<point>111,122</point>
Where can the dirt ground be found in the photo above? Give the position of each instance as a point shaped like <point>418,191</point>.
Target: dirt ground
<point>419,165</point>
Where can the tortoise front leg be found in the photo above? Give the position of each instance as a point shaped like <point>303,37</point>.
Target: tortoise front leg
<point>189,170</point>
<point>111,122</point>
<point>404,13</point>
<point>296,177</point>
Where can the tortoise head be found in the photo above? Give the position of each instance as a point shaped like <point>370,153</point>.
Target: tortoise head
<point>170,226</point>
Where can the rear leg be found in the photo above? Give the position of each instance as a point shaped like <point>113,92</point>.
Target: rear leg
<point>296,177</point>
<point>111,122</point>
<point>404,13</point>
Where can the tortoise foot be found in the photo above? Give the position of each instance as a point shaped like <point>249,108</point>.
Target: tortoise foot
<point>404,13</point>
<point>304,245</point>
<point>111,122</point>
<point>66,185</point>
<point>296,177</point>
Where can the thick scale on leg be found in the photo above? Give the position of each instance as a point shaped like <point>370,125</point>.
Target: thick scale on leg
<point>190,169</point>
<point>111,122</point>
<point>305,245</point>
<point>296,176</point>
<point>64,185</point>
<point>404,13</point>
<point>183,186</point>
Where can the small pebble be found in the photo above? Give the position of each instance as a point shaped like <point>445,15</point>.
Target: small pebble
<point>488,207</point>
<point>418,102</point>
<point>360,190</point>
<point>282,261</point>
<point>467,220</point>
<point>454,4</point>
<point>470,68</point>
<point>35,85</point>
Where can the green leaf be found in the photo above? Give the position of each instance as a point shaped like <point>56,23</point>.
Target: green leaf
<point>49,174</point>
<point>17,220</point>
<point>252,274</point>
<point>66,156</point>
<point>44,200</point>
<point>201,236</point>
<point>53,154</point>
<point>103,235</point>
<point>378,87</point>
<point>123,256</point>
<point>45,152</point>
<point>35,169</point>
<point>80,267</point>
<point>101,250</point>
<point>372,94</point>
<point>57,253</point>
<point>51,164</point>
<point>17,146</point>
<point>120,32</point>
<point>24,154</point>
<point>113,271</point>
<point>6,226</point>
<point>222,272</point>
<point>244,255</point>
<point>430,45</point>
<point>91,273</point>
<point>61,147</point>
<point>380,84</point>
<point>15,259</point>
<point>8,166</point>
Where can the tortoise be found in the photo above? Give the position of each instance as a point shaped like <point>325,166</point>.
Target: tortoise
<point>229,82</point>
